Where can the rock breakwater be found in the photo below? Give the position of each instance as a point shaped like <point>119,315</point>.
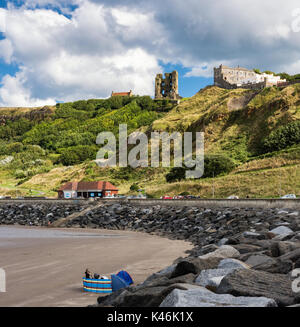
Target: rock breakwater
<point>241,256</point>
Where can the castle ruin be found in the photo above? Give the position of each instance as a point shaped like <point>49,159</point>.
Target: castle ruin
<point>167,88</point>
<point>233,78</point>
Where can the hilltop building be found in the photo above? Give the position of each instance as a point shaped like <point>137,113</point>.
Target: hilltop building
<point>122,94</point>
<point>98,189</point>
<point>239,77</point>
<point>167,88</point>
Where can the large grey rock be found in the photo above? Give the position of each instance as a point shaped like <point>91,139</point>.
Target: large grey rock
<point>194,266</point>
<point>166,272</point>
<point>255,260</point>
<point>282,230</point>
<point>232,263</point>
<point>163,282</point>
<point>253,235</point>
<point>151,296</point>
<point>286,247</point>
<point>223,241</point>
<point>250,282</point>
<point>204,298</point>
<point>225,251</point>
<point>247,248</point>
<point>294,256</point>
<point>277,266</point>
<point>211,278</point>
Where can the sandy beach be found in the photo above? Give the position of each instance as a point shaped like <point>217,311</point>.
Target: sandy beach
<point>44,267</point>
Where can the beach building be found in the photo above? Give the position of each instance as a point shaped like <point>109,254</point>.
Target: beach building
<point>97,189</point>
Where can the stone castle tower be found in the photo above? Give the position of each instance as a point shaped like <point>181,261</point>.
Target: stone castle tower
<point>167,88</point>
<point>239,77</point>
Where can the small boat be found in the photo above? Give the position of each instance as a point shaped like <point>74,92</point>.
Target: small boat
<point>97,285</point>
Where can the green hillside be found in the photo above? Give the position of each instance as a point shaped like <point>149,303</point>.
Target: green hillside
<point>257,132</point>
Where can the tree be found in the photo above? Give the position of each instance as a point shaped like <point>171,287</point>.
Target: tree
<point>134,187</point>
<point>282,137</point>
<point>176,174</point>
<point>215,165</point>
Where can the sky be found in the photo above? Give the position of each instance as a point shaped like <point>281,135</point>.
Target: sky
<point>66,50</point>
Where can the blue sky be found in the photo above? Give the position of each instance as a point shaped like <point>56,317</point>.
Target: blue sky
<point>64,50</point>
<point>188,86</point>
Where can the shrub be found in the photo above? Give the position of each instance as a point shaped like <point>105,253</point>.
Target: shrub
<point>77,154</point>
<point>176,174</point>
<point>134,187</point>
<point>282,137</point>
<point>215,165</point>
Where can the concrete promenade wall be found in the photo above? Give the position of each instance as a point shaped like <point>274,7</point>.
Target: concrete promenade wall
<point>209,203</point>
<point>215,203</point>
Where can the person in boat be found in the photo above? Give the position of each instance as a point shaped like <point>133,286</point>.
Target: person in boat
<point>88,274</point>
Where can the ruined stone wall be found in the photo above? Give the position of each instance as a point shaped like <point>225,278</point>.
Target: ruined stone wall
<point>167,88</point>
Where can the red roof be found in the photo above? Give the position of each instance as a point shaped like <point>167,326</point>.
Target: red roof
<point>88,186</point>
<point>123,94</point>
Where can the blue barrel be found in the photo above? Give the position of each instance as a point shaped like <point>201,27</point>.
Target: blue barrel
<point>97,285</point>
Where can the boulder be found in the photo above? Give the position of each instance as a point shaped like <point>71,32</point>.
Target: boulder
<point>223,252</point>
<point>293,255</point>
<point>166,272</point>
<point>282,230</point>
<point>151,296</point>
<point>276,266</point>
<point>114,299</point>
<point>258,259</point>
<point>211,278</point>
<point>286,247</point>
<point>250,282</point>
<point>246,248</point>
<point>233,264</point>
<point>202,297</point>
<point>223,241</point>
<point>194,266</point>
<point>255,236</point>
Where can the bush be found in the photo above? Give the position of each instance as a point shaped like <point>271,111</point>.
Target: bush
<point>77,154</point>
<point>283,137</point>
<point>176,174</point>
<point>116,102</point>
<point>134,187</point>
<point>215,165</point>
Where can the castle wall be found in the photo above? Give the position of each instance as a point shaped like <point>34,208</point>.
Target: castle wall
<point>231,78</point>
<point>167,88</point>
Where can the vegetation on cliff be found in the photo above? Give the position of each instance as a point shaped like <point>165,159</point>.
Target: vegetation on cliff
<point>257,132</point>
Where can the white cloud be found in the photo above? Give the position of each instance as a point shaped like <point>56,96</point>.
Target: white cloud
<point>117,44</point>
<point>2,20</point>
<point>6,50</point>
<point>14,94</point>
<point>69,59</point>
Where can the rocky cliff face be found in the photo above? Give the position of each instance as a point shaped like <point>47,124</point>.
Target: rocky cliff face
<point>36,114</point>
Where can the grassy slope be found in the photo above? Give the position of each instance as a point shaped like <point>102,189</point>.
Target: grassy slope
<point>234,122</point>
<point>19,111</point>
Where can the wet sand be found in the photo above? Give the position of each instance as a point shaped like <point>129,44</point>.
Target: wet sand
<point>44,267</point>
